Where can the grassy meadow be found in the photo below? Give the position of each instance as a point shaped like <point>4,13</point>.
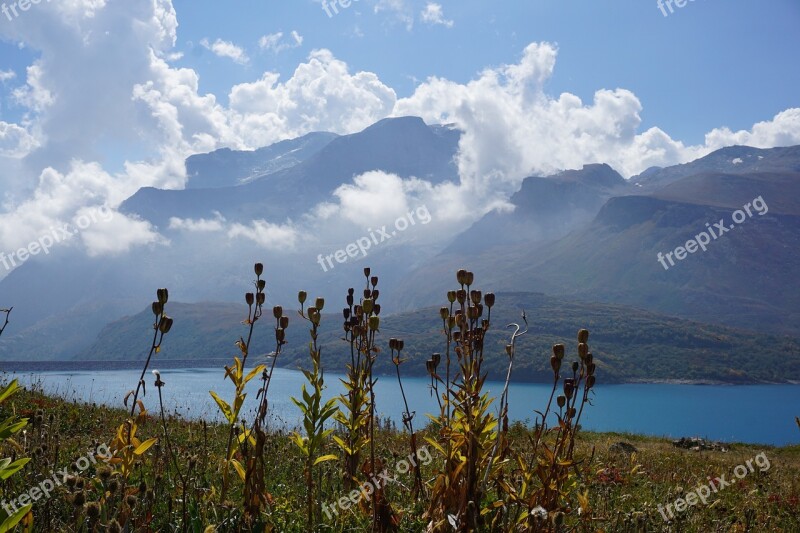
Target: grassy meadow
<point>88,468</point>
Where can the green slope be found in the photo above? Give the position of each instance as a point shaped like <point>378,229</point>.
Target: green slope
<point>629,344</point>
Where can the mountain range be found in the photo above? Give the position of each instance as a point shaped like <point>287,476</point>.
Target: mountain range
<point>583,237</point>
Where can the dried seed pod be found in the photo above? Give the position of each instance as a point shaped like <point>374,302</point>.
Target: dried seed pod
<point>590,382</point>
<point>367,305</point>
<point>319,303</point>
<point>451,296</point>
<point>583,336</point>
<point>470,278</point>
<point>561,401</point>
<point>374,323</point>
<point>374,281</point>
<point>436,358</point>
<point>302,296</point>
<point>569,387</point>
<point>430,367</point>
<point>583,349</point>
<point>163,296</point>
<point>165,325</point>
<point>558,351</point>
<point>509,347</point>
<point>555,363</point>
<point>366,272</point>
<point>259,269</point>
<point>261,298</point>
<point>392,343</point>
<point>284,322</point>
<point>400,345</point>
<point>444,313</point>
<point>375,294</point>
<point>461,296</point>
<point>346,313</point>
<point>377,309</point>
<point>461,277</point>
<point>489,299</point>
<point>476,297</point>
<point>575,366</point>
<point>157,308</point>
<point>277,311</point>
<point>261,284</point>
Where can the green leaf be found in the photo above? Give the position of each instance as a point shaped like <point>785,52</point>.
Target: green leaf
<point>11,425</point>
<point>11,522</point>
<point>8,469</point>
<point>10,389</point>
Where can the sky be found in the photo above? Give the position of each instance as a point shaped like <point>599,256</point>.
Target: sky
<point>101,97</point>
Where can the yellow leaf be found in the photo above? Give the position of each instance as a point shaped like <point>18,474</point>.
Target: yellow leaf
<point>239,469</point>
<point>143,447</point>
<point>253,373</point>
<point>324,458</point>
<point>223,405</point>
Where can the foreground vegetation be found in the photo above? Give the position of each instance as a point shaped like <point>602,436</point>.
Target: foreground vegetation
<point>93,468</point>
<point>623,491</point>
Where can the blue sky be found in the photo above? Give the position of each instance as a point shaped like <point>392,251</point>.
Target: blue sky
<point>711,63</point>
<point>99,98</point>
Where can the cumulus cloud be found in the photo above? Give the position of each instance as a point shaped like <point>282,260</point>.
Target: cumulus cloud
<point>434,14</point>
<point>226,49</point>
<point>782,130</point>
<point>6,75</point>
<point>15,141</point>
<point>321,95</point>
<point>512,127</point>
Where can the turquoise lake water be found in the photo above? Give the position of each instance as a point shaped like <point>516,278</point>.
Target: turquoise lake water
<point>753,413</point>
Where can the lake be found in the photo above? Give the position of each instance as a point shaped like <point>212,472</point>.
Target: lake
<point>761,414</point>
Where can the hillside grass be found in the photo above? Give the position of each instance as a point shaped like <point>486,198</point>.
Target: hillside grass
<point>624,491</point>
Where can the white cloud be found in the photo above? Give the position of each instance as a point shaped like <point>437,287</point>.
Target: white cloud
<point>15,141</point>
<point>321,95</point>
<point>782,130</point>
<point>49,168</point>
<point>201,225</point>
<point>118,235</point>
<point>226,49</point>
<point>399,10</point>
<point>434,14</point>
<point>273,42</point>
<point>267,235</point>
<point>6,75</point>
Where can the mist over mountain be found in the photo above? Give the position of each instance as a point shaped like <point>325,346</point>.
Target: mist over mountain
<point>583,234</point>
